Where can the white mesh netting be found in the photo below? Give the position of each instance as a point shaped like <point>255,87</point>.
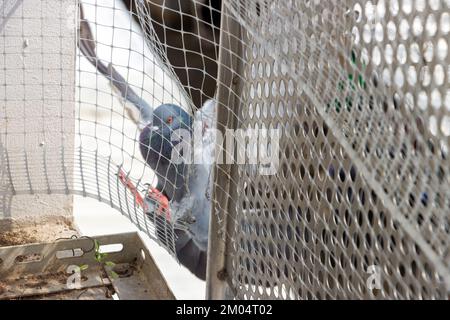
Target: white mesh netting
<point>359,95</point>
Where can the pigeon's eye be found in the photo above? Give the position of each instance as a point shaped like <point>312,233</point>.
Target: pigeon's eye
<point>169,120</point>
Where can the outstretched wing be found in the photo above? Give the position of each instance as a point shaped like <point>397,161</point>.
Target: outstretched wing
<point>86,44</point>
<point>205,133</point>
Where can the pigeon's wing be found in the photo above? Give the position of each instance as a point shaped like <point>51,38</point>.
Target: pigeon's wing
<point>128,94</point>
<point>86,44</point>
<point>205,133</point>
<point>207,113</point>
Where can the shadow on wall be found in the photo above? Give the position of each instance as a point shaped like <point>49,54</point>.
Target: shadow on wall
<point>8,7</point>
<point>6,192</point>
<point>189,32</point>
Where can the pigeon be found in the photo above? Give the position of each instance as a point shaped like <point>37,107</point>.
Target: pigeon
<point>182,195</point>
<point>188,184</point>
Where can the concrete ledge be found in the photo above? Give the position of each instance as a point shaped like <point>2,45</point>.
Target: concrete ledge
<point>46,228</point>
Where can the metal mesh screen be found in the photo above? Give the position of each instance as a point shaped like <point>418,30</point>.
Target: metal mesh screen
<point>333,117</point>
<point>359,91</point>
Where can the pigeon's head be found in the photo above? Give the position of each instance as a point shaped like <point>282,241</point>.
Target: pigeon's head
<point>156,139</point>
<point>170,117</point>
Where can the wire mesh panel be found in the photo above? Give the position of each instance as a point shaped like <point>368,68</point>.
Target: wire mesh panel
<point>327,176</point>
<point>359,91</point>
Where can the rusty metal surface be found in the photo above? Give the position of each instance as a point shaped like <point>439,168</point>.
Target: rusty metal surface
<point>41,270</point>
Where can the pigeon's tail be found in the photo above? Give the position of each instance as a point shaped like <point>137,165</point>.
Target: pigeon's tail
<point>86,44</point>
<point>190,255</point>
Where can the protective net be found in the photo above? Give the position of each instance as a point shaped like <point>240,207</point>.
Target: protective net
<point>330,177</point>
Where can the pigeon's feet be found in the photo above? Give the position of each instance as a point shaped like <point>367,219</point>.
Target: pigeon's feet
<point>130,186</point>
<point>156,196</point>
<point>162,202</point>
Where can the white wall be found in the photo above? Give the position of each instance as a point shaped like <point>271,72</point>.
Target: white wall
<point>37,87</point>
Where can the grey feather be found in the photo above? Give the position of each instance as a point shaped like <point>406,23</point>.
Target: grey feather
<point>86,44</point>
